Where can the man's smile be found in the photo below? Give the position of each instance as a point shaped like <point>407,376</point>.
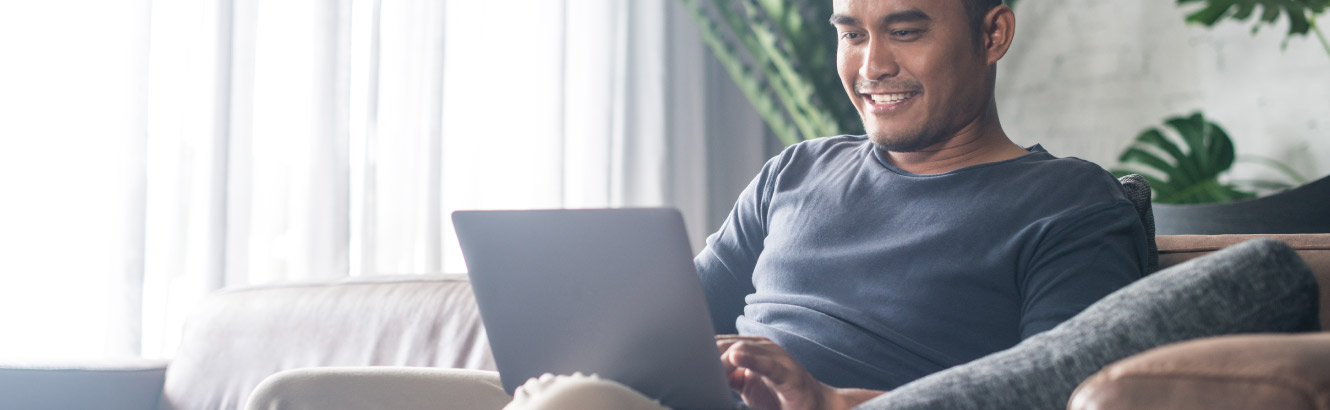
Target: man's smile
<point>884,102</point>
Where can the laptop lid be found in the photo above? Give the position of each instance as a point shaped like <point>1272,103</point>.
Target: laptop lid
<point>606,291</point>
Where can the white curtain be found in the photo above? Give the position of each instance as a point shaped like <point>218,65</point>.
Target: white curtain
<point>253,141</point>
<point>72,120</point>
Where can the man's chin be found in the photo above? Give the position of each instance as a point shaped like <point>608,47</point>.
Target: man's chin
<point>896,143</point>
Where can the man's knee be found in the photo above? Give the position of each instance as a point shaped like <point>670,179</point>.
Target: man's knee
<point>579,392</point>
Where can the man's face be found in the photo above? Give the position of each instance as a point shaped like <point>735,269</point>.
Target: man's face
<point>912,68</point>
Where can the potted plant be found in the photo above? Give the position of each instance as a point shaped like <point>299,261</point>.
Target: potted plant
<point>1190,195</point>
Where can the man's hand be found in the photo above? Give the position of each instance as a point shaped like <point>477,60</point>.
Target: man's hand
<point>768,378</point>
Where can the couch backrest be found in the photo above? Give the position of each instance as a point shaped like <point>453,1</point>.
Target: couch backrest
<point>1313,248</point>
<point>241,336</point>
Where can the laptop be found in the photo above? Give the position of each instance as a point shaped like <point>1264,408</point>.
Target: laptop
<point>607,291</point>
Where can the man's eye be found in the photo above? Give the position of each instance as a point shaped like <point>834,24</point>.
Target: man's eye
<point>849,36</point>
<point>903,33</point>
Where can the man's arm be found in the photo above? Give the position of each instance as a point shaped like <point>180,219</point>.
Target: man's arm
<point>726,264</point>
<point>1083,257</point>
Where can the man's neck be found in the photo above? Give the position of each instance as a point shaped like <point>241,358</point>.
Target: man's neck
<point>969,147</point>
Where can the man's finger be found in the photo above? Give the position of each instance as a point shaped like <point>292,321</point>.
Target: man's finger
<point>725,362</point>
<point>740,337</point>
<point>737,338</point>
<point>723,342</point>
<point>735,377</point>
<point>775,365</point>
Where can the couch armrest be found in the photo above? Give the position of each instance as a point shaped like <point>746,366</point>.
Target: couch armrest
<point>1233,372</point>
<point>104,385</point>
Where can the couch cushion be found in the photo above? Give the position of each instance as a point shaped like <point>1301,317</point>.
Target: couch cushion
<point>1313,248</point>
<point>239,337</point>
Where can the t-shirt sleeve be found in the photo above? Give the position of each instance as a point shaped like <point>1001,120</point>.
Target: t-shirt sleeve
<point>1085,255</point>
<point>726,264</point>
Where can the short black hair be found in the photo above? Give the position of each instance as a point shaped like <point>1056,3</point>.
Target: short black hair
<point>976,10</point>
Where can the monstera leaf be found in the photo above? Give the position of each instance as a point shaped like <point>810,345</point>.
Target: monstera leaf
<point>1190,176</point>
<point>1298,11</point>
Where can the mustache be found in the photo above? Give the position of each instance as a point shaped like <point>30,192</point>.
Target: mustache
<point>895,84</point>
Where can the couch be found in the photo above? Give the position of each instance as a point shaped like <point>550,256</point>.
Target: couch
<point>240,336</point>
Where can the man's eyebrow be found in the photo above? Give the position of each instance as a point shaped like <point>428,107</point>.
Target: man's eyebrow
<point>841,19</point>
<point>907,16</point>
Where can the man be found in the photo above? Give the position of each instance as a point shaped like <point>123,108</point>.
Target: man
<point>866,262</point>
<point>932,241</point>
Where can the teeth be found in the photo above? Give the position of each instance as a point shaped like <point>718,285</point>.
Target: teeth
<point>890,98</point>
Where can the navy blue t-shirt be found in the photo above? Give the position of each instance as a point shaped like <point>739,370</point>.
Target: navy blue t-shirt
<point>871,276</point>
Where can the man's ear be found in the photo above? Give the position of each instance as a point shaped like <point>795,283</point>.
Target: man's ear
<point>998,29</point>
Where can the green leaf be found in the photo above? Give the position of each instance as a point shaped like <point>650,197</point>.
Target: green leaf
<point>1180,170</point>
<point>1244,11</point>
<point>1192,130</point>
<point>1212,11</point>
<point>1298,22</point>
<point>1220,146</point>
<point>1190,176</point>
<point>1143,157</point>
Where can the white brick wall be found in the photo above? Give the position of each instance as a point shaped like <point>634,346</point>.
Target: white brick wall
<point>1085,76</point>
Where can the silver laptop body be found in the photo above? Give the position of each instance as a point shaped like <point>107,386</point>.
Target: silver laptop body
<point>607,291</point>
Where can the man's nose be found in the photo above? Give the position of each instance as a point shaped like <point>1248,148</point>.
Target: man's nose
<point>879,61</point>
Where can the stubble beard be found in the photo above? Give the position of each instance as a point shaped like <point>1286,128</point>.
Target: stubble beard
<point>909,140</point>
<point>898,140</point>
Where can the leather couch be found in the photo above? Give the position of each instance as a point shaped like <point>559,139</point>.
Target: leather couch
<point>240,336</point>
